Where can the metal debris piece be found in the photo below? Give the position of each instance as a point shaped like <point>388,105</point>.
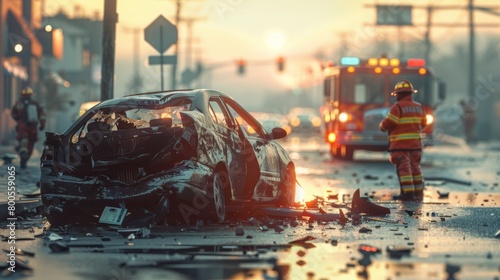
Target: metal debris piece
<point>131,236</point>
<point>396,252</point>
<point>497,235</point>
<point>264,228</point>
<point>20,252</point>
<point>342,219</point>
<point>365,230</point>
<point>456,181</point>
<point>443,195</point>
<point>55,237</point>
<point>312,204</point>
<point>361,205</point>
<point>379,219</point>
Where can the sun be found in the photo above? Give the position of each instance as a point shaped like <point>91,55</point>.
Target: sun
<point>275,40</point>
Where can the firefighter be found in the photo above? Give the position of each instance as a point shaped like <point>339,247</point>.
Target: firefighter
<point>469,119</point>
<point>404,123</point>
<point>29,116</point>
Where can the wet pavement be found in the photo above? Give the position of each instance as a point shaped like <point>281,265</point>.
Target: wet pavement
<point>450,235</point>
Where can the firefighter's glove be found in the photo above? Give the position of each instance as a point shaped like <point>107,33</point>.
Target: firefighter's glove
<point>382,128</point>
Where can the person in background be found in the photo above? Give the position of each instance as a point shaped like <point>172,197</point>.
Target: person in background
<point>469,119</point>
<point>29,116</point>
<point>404,123</point>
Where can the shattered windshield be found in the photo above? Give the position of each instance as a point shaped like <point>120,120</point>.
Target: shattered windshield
<point>122,118</point>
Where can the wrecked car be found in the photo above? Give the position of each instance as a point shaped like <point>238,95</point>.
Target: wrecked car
<point>179,153</point>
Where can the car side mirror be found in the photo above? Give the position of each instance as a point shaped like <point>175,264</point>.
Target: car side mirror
<point>441,91</point>
<point>278,133</point>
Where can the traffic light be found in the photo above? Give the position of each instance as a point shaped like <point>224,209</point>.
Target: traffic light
<point>281,63</point>
<point>241,63</point>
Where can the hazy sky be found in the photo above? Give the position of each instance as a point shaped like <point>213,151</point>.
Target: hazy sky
<point>260,30</point>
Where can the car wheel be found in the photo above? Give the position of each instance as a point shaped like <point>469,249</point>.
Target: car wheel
<point>347,153</point>
<point>287,194</point>
<point>218,183</point>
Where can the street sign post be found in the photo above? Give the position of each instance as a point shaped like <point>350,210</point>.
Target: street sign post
<point>161,34</point>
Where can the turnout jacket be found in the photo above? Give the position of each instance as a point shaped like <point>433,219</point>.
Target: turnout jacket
<point>404,123</point>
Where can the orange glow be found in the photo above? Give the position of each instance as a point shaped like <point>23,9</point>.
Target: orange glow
<point>350,69</point>
<point>422,71</point>
<point>316,121</point>
<point>299,194</point>
<point>331,137</point>
<point>396,70</point>
<point>429,119</point>
<point>394,62</point>
<point>295,122</point>
<point>372,61</point>
<point>343,117</point>
<point>383,62</point>
<point>378,70</point>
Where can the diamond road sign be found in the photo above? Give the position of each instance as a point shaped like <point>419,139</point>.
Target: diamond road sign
<point>161,34</point>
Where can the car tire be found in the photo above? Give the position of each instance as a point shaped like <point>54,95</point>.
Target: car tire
<point>347,153</point>
<point>287,193</point>
<point>216,195</point>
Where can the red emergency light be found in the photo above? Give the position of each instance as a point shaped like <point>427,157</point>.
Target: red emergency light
<point>416,62</point>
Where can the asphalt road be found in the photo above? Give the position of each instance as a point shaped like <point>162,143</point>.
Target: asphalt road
<point>450,235</point>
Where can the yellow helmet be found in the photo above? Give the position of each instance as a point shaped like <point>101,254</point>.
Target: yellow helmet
<point>403,87</point>
<point>27,91</point>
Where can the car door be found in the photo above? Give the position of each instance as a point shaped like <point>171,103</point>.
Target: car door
<point>236,151</point>
<point>264,167</point>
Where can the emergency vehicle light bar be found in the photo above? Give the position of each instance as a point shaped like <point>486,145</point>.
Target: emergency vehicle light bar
<point>416,62</point>
<point>373,61</point>
<point>349,60</point>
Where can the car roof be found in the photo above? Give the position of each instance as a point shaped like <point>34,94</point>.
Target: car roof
<point>159,97</point>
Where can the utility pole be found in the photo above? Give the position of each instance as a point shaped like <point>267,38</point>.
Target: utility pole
<point>108,49</point>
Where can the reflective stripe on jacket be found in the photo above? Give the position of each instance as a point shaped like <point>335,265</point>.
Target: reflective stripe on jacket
<point>404,123</point>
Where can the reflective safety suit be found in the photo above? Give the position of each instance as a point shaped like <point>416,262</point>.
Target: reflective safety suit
<point>404,123</point>
<point>29,115</point>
